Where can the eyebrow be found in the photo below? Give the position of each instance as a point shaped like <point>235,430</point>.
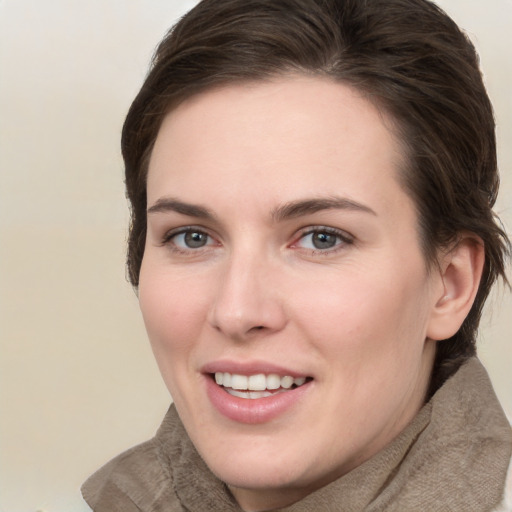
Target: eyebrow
<point>289,210</point>
<point>303,207</point>
<point>169,204</point>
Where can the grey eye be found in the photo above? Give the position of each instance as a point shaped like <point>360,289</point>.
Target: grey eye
<point>194,239</point>
<point>322,240</point>
<point>190,239</point>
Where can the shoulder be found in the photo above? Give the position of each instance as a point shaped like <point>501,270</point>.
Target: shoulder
<point>136,480</point>
<point>460,459</point>
<point>506,505</point>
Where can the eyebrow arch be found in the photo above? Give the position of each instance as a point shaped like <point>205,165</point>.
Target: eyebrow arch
<point>299,208</point>
<point>289,210</point>
<point>169,204</point>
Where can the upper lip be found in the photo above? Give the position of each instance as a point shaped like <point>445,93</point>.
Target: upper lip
<point>250,368</point>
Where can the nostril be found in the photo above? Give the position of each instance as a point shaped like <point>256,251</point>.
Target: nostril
<point>256,328</point>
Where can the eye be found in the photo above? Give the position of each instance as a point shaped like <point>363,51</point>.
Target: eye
<point>188,239</point>
<point>323,239</point>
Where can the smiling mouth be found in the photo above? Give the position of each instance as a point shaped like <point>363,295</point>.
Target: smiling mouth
<point>257,386</point>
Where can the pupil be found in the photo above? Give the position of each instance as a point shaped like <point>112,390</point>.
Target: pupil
<point>324,240</point>
<point>194,239</point>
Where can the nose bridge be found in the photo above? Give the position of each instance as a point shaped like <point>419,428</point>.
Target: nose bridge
<point>246,301</point>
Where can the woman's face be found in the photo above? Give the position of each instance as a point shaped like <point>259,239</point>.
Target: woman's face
<point>282,254</point>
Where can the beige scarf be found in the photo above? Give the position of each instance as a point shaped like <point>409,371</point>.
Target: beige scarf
<point>452,457</point>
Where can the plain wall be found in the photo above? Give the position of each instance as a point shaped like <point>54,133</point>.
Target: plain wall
<point>78,383</point>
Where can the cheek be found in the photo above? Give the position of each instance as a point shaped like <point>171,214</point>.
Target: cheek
<point>173,309</point>
<point>366,317</point>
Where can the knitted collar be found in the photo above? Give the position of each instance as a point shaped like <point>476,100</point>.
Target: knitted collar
<point>453,456</point>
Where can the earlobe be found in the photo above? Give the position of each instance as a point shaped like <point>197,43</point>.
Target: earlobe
<point>461,270</point>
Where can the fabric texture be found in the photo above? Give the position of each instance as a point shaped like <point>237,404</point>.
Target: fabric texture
<point>506,504</point>
<point>453,457</point>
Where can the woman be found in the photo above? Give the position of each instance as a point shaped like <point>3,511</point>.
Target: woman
<point>312,242</point>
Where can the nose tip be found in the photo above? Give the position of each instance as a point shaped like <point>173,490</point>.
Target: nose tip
<point>245,304</point>
<point>246,319</point>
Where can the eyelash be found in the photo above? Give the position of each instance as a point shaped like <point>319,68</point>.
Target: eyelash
<point>173,234</point>
<point>343,239</point>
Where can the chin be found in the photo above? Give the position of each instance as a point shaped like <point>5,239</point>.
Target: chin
<point>269,467</point>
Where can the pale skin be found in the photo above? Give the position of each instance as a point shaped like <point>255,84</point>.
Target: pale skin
<point>278,232</point>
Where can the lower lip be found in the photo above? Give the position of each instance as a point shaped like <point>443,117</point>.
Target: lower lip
<point>253,411</point>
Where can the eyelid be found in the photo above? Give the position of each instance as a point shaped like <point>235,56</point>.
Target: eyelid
<point>171,233</point>
<point>327,229</point>
<point>345,237</point>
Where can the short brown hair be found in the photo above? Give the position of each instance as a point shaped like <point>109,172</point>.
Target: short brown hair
<point>407,56</point>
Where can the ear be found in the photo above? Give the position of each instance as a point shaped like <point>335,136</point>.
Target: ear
<point>461,270</point>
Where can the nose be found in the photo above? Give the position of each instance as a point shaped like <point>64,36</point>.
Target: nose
<point>247,300</point>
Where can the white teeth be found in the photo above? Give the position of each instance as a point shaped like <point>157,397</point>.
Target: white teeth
<point>248,394</point>
<point>239,381</point>
<point>273,381</point>
<point>287,382</point>
<point>258,382</point>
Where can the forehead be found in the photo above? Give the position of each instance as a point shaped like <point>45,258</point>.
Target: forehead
<point>279,136</point>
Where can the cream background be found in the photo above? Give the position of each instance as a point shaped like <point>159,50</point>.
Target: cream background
<point>77,379</point>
